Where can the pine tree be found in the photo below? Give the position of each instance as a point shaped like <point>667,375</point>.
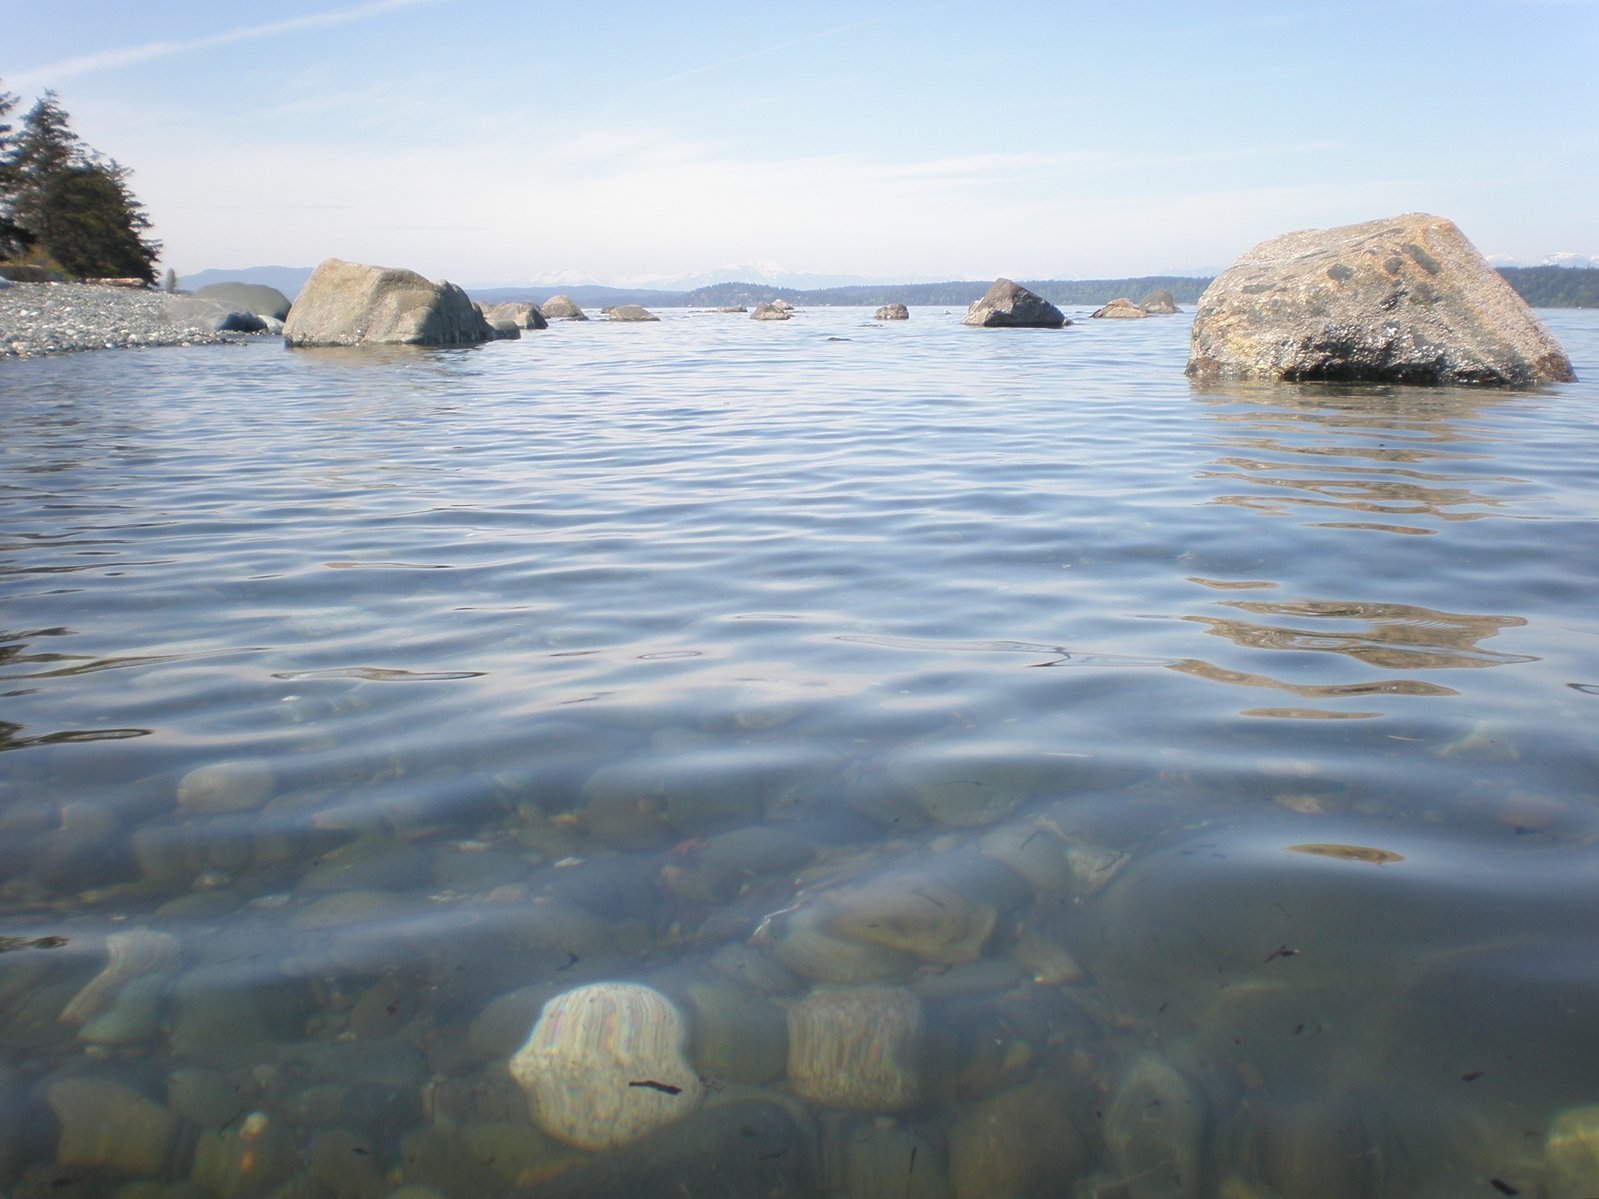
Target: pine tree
<point>62,198</point>
<point>14,239</point>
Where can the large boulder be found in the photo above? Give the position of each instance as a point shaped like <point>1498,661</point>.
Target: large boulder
<point>347,304</point>
<point>1159,303</point>
<point>892,312</point>
<point>247,297</point>
<point>1118,309</point>
<point>630,312</point>
<point>770,312</point>
<point>560,308</point>
<point>1402,300</point>
<point>1010,305</point>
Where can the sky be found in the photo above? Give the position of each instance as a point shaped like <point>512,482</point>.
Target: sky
<point>500,142</point>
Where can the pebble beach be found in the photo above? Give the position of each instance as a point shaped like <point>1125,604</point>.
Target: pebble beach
<point>59,318</point>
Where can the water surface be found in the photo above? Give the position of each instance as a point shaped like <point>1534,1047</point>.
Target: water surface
<point>1212,768</point>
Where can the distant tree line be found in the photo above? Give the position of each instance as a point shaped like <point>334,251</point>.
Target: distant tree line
<point>64,208</point>
<point>1555,286</point>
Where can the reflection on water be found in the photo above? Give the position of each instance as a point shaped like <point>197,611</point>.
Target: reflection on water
<point>621,761</point>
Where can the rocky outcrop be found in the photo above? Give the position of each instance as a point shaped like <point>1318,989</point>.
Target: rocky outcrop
<point>1159,303</point>
<point>247,297</point>
<point>505,330</point>
<point>201,312</point>
<point>1120,309</point>
<point>347,304</point>
<point>524,314</point>
<point>631,312</point>
<point>1402,300</point>
<point>892,312</point>
<point>1010,305</point>
<point>559,308</point>
<point>769,312</point>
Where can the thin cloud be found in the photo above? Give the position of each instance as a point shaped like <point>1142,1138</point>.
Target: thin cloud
<point>48,74</point>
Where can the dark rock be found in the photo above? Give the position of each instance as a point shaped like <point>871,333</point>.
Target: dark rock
<point>559,308</point>
<point>1010,305</point>
<point>1402,300</point>
<point>892,312</point>
<point>247,297</point>
<point>1159,303</point>
<point>505,330</point>
<point>1119,309</point>
<point>347,304</point>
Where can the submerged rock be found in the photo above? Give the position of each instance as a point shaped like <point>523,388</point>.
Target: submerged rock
<point>348,304</point>
<point>1406,299</point>
<point>1153,1128</point>
<point>880,1162</point>
<point>111,1127</point>
<point>237,785</point>
<point>856,1047</point>
<point>1571,1154</point>
<point>1019,1142</point>
<point>129,956</point>
<point>606,1064</point>
<point>1010,305</point>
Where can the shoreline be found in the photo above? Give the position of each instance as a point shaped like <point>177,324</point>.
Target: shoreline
<point>39,320</point>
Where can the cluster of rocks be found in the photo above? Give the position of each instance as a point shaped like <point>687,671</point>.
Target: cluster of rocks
<point>1405,300</point>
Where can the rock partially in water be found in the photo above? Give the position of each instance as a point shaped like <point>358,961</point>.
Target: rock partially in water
<point>1120,308</point>
<point>111,1127</point>
<point>1153,1130</point>
<point>605,1064</point>
<point>561,308</point>
<point>1571,1154</point>
<point>769,312</point>
<point>1404,299</point>
<point>1159,302</point>
<point>349,304</point>
<point>892,312</point>
<point>238,785</point>
<point>129,955</point>
<point>1020,1142</point>
<point>1008,304</point>
<point>856,1047</point>
<point>630,312</point>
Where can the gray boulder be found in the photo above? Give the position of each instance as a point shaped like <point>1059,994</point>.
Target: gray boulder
<point>1402,300</point>
<point>892,312</point>
<point>630,312</point>
<point>211,316</point>
<point>1010,305</point>
<point>559,308</point>
<point>769,312</point>
<point>733,308</point>
<point>1159,303</point>
<point>347,304</point>
<point>1121,309</point>
<point>247,297</point>
<point>523,313</point>
<point>505,330</point>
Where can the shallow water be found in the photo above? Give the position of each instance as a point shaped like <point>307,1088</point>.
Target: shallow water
<point>1209,772</point>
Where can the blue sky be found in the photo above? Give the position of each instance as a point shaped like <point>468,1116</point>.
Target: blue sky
<point>491,141</point>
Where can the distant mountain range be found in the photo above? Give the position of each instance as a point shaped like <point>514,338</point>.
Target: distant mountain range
<point>1569,283</point>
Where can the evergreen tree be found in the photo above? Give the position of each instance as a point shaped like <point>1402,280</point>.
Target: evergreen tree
<point>61,197</point>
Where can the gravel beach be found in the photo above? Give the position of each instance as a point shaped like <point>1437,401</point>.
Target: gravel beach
<point>57,318</point>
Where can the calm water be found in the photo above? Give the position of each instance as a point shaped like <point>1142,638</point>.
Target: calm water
<point>1020,771</point>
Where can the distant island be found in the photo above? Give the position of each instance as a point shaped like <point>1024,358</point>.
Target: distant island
<point>1540,286</point>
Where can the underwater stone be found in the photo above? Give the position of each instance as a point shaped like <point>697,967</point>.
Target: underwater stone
<point>235,786</point>
<point>246,1160</point>
<point>1571,1154</point>
<point>964,789</point>
<point>739,1037</point>
<point>1018,1142</point>
<point>605,1064</point>
<point>856,1047</point>
<point>111,1127</point>
<point>1152,1129</point>
<point>911,913</point>
<point>883,1162</point>
<point>129,955</point>
<point>803,942</point>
